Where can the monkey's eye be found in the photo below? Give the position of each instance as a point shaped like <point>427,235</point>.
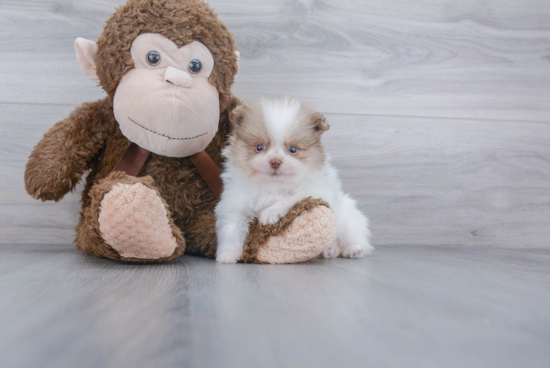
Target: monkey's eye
<point>195,66</point>
<point>153,58</point>
<point>292,150</point>
<point>260,148</point>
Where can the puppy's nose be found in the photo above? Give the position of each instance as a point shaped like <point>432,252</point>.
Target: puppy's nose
<point>275,164</point>
<point>178,77</point>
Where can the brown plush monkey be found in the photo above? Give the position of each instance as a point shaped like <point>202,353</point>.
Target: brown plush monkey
<point>167,67</point>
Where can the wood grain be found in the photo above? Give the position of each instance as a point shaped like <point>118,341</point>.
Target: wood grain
<point>421,181</point>
<point>446,181</point>
<point>401,307</point>
<point>438,58</point>
<point>439,109</point>
<point>440,128</point>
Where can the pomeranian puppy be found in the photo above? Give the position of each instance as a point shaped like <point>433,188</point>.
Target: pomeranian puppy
<point>274,159</point>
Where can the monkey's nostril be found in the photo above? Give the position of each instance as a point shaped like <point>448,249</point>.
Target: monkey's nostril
<point>275,164</point>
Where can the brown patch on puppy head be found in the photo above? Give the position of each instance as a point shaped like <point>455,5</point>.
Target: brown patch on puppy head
<point>180,21</point>
<point>249,123</point>
<point>310,123</point>
<point>306,136</point>
<point>249,130</point>
<point>278,124</point>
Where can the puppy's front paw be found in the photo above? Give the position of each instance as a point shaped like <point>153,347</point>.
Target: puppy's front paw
<point>271,215</point>
<point>332,250</point>
<point>357,251</point>
<point>228,257</point>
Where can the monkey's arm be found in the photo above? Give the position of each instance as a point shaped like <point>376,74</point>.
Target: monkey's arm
<point>58,161</point>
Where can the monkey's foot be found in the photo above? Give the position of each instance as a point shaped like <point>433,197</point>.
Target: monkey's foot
<point>302,234</point>
<point>128,221</point>
<point>134,221</point>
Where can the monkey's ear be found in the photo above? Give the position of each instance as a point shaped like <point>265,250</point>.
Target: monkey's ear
<point>319,123</point>
<point>236,115</point>
<point>86,52</point>
<point>238,61</point>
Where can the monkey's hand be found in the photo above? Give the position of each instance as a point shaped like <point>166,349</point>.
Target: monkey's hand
<point>58,161</point>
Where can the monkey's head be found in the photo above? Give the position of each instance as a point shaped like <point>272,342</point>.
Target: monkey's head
<point>168,67</point>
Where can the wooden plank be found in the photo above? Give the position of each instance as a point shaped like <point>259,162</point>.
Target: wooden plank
<point>24,220</point>
<point>434,58</point>
<point>400,307</point>
<point>421,181</point>
<point>446,181</point>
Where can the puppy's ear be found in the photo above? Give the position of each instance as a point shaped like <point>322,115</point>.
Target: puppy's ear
<point>236,116</point>
<point>319,123</point>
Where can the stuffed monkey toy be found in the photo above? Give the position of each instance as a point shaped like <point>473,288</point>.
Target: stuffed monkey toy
<point>152,147</point>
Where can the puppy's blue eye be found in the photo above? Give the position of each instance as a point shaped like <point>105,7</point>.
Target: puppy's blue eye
<point>153,58</point>
<point>292,149</point>
<point>195,66</point>
<point>260,148</point>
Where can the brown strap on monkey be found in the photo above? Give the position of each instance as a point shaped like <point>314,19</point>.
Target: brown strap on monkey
<point>209,172</point>
<point>134,158</point>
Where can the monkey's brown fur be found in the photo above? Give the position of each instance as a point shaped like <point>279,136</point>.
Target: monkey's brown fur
<point>90,138</point>
<point>181,21</point>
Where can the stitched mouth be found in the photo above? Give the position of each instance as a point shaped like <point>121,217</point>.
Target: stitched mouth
<point>164,135</point>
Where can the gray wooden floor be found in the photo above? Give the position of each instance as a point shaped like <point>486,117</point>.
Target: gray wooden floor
<point>440,115</point>
<point>402,307</point>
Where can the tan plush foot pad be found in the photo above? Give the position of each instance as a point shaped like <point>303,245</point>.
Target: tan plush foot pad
<point>133,220</point>
<point>301,235</point>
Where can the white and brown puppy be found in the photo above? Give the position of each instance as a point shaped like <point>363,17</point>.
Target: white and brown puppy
<point>274,159</point>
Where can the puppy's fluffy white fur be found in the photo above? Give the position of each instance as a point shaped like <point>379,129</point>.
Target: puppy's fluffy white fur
<point>275,159</point>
